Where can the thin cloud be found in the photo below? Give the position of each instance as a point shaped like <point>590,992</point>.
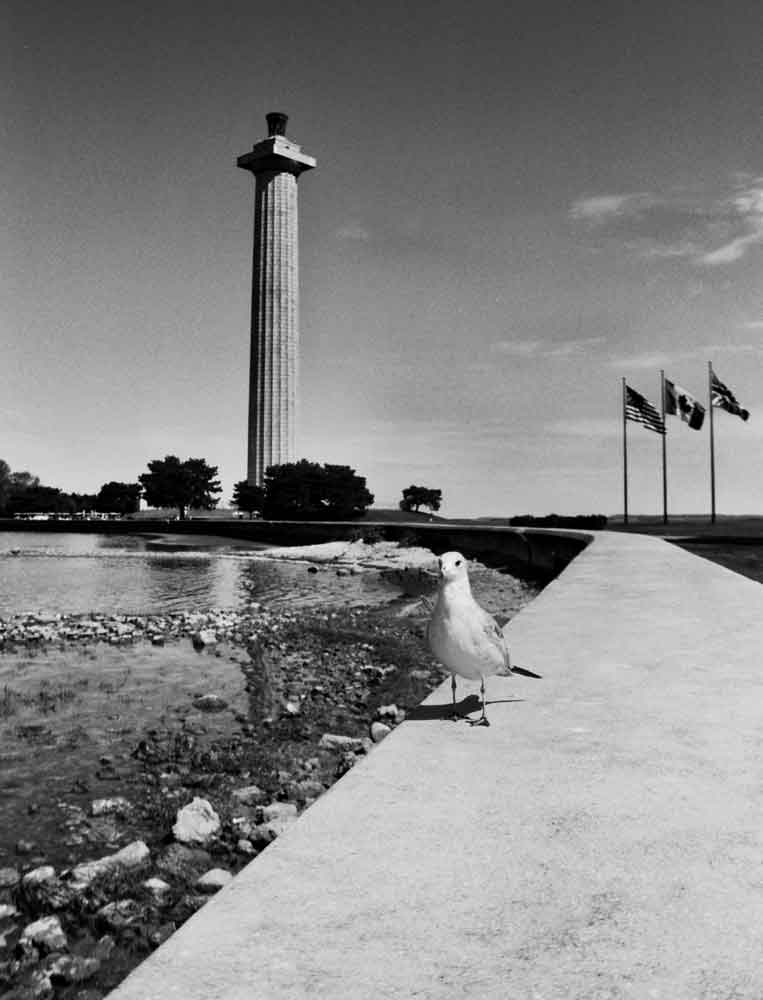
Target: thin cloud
<point>573,347</point>
<point>516,348</point>
<point>643,361</point>
<point>353,232</point>
<point>709,229</point>
<point>710,349</point>
<point>543,349</point>
<point>666,251</point>
<point>734,250</point>
<point>753,324</point>
<point>605,207</point>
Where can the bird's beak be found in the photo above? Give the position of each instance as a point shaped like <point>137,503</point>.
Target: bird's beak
<point>432,572</point>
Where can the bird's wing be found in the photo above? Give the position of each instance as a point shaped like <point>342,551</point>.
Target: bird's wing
<point>493,631</point>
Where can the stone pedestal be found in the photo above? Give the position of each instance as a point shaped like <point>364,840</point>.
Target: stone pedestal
<point>276,163</point>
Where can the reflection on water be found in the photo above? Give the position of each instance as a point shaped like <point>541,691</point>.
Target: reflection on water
<point>150,574</point>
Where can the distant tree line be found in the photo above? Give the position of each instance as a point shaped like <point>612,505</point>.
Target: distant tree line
<point>293,491</point>
<point>593,521</point>
<point>168,483</point>
<point>23,493</point>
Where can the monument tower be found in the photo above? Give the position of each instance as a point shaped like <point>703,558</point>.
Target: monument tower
<point>276,163</point>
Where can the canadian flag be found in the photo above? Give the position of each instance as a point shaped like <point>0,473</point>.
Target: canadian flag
<point>681,403</point>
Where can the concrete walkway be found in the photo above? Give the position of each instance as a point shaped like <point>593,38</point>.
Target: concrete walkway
<point>602,839</point>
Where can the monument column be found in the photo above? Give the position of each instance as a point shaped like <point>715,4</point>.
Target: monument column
<point>276,163</point>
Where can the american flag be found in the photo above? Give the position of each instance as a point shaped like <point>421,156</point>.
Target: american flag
<point>721,395</point>
<point>638,408</point>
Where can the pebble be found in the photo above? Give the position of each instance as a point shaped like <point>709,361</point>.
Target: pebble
<point>213,880</point>
<point>278,811</point>
<point>157,887</point>
<point>116,805</point>
<point>121,913</point>
<point>250,795</point>
<point>335,741</point>
<point>387,712</point>
<point>210,703</point>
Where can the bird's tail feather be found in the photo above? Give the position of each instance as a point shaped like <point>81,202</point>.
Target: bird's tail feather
<point>507,668</point>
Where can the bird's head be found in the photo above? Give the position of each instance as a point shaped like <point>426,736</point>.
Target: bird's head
<point>452,567</point>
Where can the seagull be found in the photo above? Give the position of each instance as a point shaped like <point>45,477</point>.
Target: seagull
<point>467,640</point>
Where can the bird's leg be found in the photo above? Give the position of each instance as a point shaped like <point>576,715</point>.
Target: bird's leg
<point>483,720</point>
<point>453,690</point>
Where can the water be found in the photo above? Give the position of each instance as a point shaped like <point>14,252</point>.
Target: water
<point>63,705</point>
<point>72,573</point>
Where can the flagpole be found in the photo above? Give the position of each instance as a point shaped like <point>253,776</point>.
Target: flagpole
<point>712,440</point>
<point>664,453</point>
<point>625,458</point>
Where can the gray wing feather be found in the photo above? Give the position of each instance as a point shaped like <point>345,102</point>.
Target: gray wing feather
<point>493,631</point>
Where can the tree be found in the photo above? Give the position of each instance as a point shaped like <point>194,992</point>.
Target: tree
<point>248,497</point>
<point>308,491</point>
<point>172,483</point>
<point>419,496</point>
<point>81,503</point>
<point>38,499</point>
<point>5,484</point>
<point>118,498</point>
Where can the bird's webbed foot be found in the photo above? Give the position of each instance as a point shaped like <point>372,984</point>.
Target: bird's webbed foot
<point>482,721</point>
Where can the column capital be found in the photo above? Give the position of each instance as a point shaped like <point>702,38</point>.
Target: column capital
<point>276,153</point>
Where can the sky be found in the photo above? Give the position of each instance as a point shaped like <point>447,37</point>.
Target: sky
<point>516,205</point>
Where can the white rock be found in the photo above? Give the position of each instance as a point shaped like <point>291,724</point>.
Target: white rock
<point>248,796</point>
<point>129,857</point>
<point>104,807</point>
<point>157,887</point>
<point>204,637</point>
<point>387,712</point>
<point>8,910</point>
<point>37,875</point>
<point>213,880</point>
<point>279,811</point>
<point>210,703</point>
<point>196,823</point>
<point>45,933</point>
<point>379,730</point>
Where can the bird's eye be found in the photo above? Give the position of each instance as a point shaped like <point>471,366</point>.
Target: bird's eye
<point>458,562</point>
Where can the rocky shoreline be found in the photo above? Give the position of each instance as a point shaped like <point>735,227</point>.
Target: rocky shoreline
<point>196,798</point>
